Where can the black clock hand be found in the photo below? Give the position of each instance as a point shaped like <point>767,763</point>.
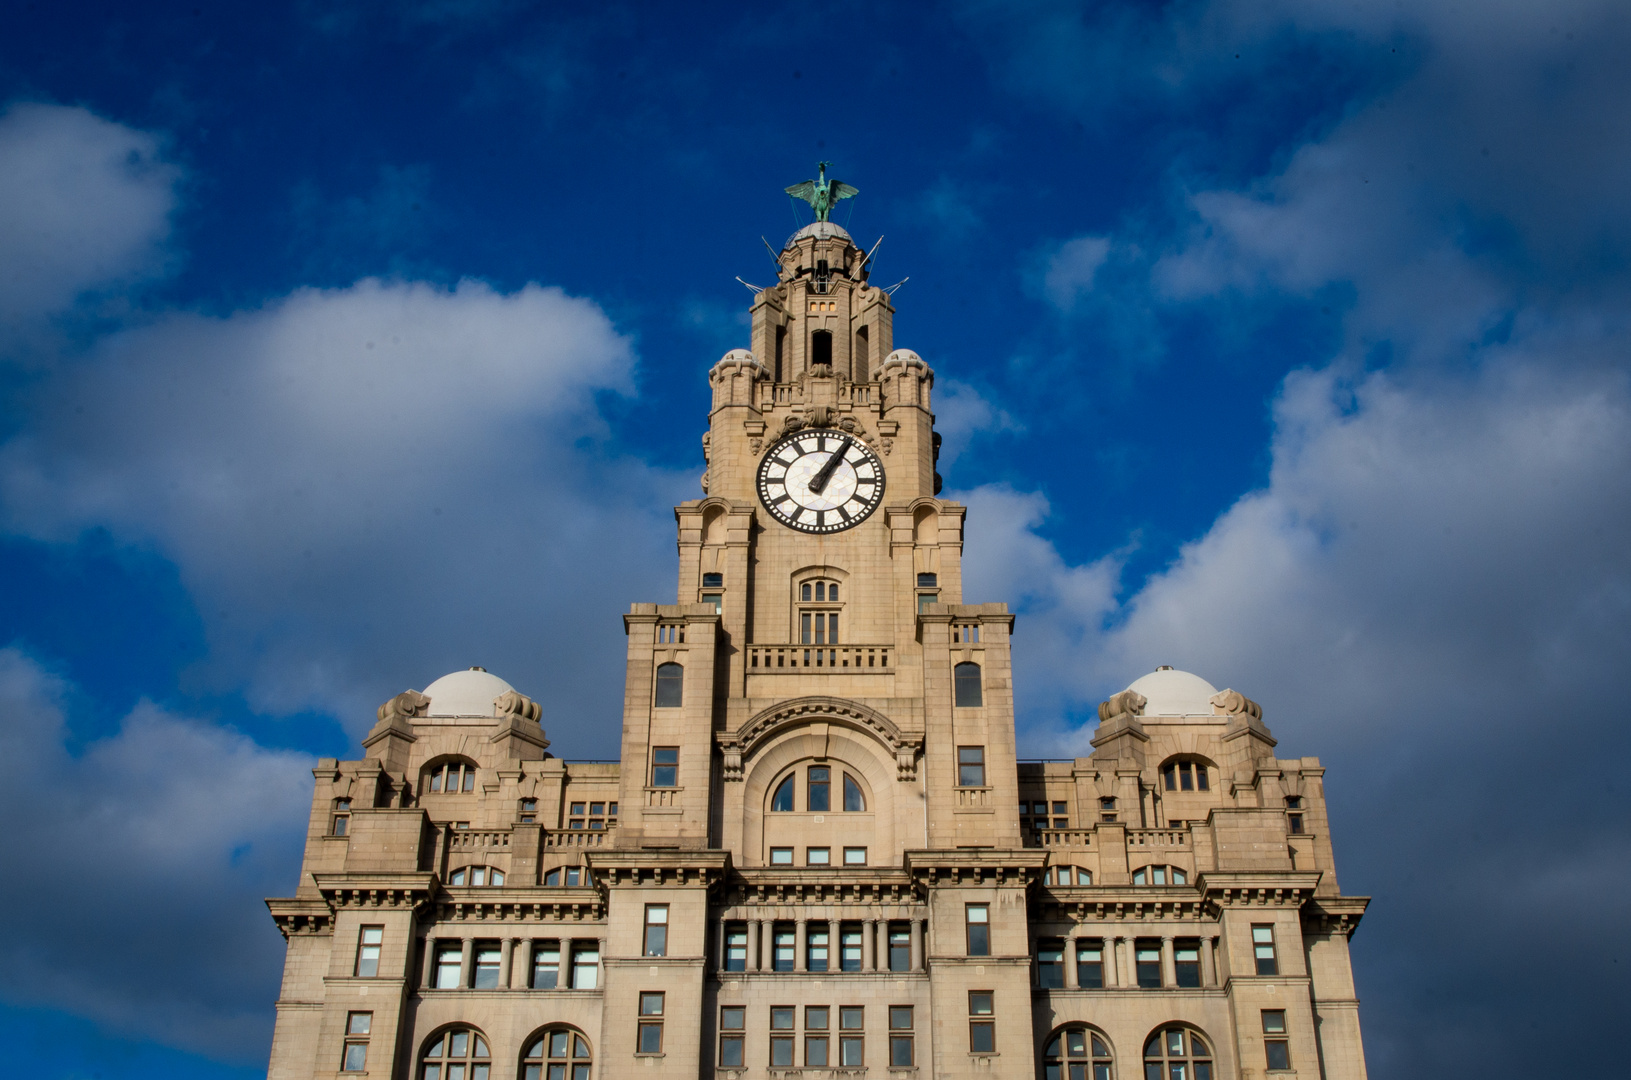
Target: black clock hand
<point>818,482</point>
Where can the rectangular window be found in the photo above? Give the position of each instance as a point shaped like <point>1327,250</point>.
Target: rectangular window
<point>1107,808</point>
<point>341,824</point>
<point>1186,962</point>
<point>585,967</point>
<point>488,964</point>
<point>900,946</point>
<point>368,943</point>
<point>851,1047</point>
<point>817,856</point>
<point>849,946</point>
<point>816,1019</point>
<point>820,789</point>
<point>449,958</point>
<point>1295,822</point>
<point>978,920</point>
<point>1275,1047</point>
<point>713,581</point>
<point>656,930</point>
<point>924,599</point>
<point>982,1030</point>
<point>783,942</point>
<point>855,856</point>
<point>971,766</point>
<point>1147,961</point>
<point>781,856</point>
<point>716,600</point>
<point>736,946</point>
<point>665,766</point>
<point>781,1046</point>
<point>816,944</point>
<point>529,811</point>
<point>1090,964</point>
<point>1263,950</point>
<point>650,1036</point>
<point>927,581</point>
<point>1050,963</point>
<point>546,965</point>
<point>732,1020</point>
<point>804,626</point>
<point>355,1058</point>
<point>900,1037</point>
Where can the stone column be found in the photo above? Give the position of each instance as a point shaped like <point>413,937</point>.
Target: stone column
<point>721,940</point>
<point>529,960</point>
<point>1113,961</point>
<point>1209,967</point>
<point>755,941</point>
<point>563,975</point>
<point>430,963</point>
<point>506,954</point>
<point>917,945</point>
<point>1073,975</point>
<point>800,939</point>
<point>869,945</point>
<point>1169,962</point>
<point>466,973</point>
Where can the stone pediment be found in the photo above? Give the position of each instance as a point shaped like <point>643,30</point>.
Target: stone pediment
<point>813,709</point>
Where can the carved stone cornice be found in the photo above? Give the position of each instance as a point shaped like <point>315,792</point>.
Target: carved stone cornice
<point>674,867</point>
<point>1335,914</point>
<point>294,916</point>
<point>741,744</point>
<point>943,867</point>
<point>1256,888</point>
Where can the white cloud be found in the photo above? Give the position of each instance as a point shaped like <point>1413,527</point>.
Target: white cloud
<point>1071,269</point>
<point>138,867</point>
<point>84,203</point>
<point>960,413</point>
<point>366,487</point>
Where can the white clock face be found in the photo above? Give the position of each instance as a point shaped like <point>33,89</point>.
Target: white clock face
<point>820,481</point>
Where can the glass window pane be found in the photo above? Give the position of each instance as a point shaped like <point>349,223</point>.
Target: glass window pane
<point>782,800</point>
<point>458,1044</point>
<point>979,1003</point>
<point>356,1057</point>
<point>557,1044</point>
<point>851,1050</point>
<point>854,800</point>
<point>815,1051</point>
<point>900,1017</point>
<point>982,1037</point>
<point>730,1051</point>
<point>852,1017</point>
<point>781,1051</point>
<point>900,1050</point>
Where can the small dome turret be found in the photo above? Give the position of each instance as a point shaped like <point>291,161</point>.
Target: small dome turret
<point>466,693</point>
<point>1170,692</point>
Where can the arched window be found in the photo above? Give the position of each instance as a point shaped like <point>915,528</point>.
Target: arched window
<point>670,686</point>
<point>459,1053</point>
<point>783,799</point>
<point>854,797</point>
<point>568,875</point>
<point>557,1054</point>
<point>456,775</point>
<point>1176,1053</point>
<point>1071,1053</point>
<point>966,685</point>
<point>1160,875</point>
<point>821,348</point>
<point>476,876</point>
<point>818,625</point>
<point>1184,774</point>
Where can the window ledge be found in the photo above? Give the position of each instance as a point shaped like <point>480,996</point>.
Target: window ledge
<point>649,1054</point>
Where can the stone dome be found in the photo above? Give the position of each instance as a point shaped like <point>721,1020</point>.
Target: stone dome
<point>1170,692</point>
<point>818,230</point>
<point>466,693</point>
<point>901,356</point>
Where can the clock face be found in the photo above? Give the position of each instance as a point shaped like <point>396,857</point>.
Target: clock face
<point>820,481</point>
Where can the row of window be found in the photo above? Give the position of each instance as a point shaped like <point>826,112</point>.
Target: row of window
<point>1172,1052</point>
<point>817,792</point>
<point>817,856</point>
<point>817,1036</point>
<point>822,950</point>
<point>487,964</point>
<point>1147,968</point>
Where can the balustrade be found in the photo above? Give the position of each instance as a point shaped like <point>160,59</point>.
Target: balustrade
<point>808,659</point>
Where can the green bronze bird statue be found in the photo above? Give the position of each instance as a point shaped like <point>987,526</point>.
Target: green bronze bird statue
<point>821,193</point>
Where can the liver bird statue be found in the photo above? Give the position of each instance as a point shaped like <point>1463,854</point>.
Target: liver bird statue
<point>821,193</point>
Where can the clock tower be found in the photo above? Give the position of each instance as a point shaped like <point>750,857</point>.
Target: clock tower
<point>818,855</point>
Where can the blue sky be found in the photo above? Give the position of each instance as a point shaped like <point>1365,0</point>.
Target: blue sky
<point>346,344</point>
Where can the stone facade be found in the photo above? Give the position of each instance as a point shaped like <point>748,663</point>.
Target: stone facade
<point>819,856</point>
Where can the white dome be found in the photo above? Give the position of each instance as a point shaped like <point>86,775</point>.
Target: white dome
<point>739,356</point>
<point>901,356</point>
<point>820,230</point>
<point>465,693</point>
<point>1169,692</point>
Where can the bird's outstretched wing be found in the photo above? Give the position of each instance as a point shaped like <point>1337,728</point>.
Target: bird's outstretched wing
<point>805,191</point>
<point>841,190</point>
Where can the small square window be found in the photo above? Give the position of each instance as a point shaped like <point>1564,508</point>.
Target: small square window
<point>358,1023</point>
<point>817,856</point>
<point>928,581</point>
<point>1060,808</point>
<point>713,581</point>
<point>1274,1021</point>
<point>651,1003</point>
<point>781,1017</point>
<point>732,1017</point>
<point>982,1037</point>
<point>781,856</point>
<point>979,1002</point>
<point>815,1018</point>
<point>852,1017</point>
<point>855,856</point>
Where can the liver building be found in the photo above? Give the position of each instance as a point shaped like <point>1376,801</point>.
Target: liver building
<point>819,856</point>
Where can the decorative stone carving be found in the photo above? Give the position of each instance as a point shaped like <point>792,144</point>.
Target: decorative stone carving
<point>518,705</point>
<point>740,746</point>
<point>703,480</point>
<point>409,703</point>
<point>1234,703</point>
<point>1126,703</point>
